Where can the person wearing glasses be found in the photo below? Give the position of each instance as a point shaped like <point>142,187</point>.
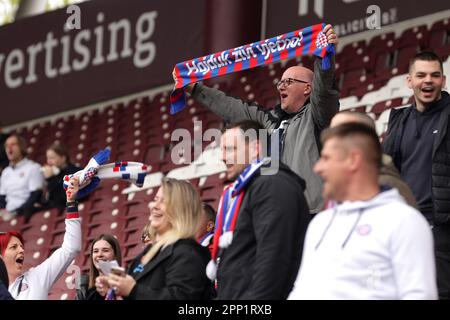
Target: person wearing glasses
<point>147,236</point>
<point>308,101</point>
<point>371,245</point>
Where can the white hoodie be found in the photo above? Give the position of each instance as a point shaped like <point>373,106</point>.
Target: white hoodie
<point>376,249</point>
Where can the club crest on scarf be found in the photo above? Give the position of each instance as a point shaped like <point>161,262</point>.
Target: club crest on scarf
<point>321,41</point>
<point>228,212</point>
<point>307,41</point>
<point>96,169</point>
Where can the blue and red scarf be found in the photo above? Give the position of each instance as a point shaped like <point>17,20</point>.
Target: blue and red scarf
<point>229,207</point>
<point>307,41</point>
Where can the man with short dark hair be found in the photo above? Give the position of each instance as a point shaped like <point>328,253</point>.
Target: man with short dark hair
<point>261,222</point>
<point>21,182</point>
<point>418,140</point>
<point>371,245</point>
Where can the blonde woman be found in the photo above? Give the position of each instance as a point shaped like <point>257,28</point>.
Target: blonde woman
<point>174,266</point>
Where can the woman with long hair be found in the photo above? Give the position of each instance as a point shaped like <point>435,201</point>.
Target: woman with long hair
<point>173,267</point>
<point>103,248</point>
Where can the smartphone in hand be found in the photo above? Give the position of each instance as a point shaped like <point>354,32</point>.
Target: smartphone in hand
<point>119,271</point>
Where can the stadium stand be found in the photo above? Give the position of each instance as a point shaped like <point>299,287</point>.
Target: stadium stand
<point>370,74</point>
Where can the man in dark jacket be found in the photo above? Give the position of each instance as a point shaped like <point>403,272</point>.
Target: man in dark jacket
<point>308,101</point>
<point>418,139</point>
<point>261,224</point>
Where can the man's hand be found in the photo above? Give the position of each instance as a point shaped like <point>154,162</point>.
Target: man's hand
<point>331,35</point>
<point>72,190</point>
<point>189,88</point>
<point>47,171</point>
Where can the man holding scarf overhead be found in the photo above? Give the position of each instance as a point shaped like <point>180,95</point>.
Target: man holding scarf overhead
<point>308,102</point>
<point>261,222</point>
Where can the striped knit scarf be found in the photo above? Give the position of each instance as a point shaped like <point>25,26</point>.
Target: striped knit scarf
<point>229,206</point>
<point>96,169</point>
<point>307,41</point>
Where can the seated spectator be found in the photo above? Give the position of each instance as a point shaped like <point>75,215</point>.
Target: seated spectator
<point>173,268</point>
<point>36,283</point>
<point>104,248</point>
<point>4,282</point>
<point>371,245</point>
<point>21,182</point>
<point>389,175</point>
<point>58,165</point>
<point>205,231</point>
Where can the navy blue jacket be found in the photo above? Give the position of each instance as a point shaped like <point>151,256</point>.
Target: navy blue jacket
<point>440,156</point>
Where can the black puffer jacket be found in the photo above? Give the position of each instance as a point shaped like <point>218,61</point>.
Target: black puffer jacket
<point>440,158</point>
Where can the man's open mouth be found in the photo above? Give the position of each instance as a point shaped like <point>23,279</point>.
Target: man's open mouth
<point>428,89</point>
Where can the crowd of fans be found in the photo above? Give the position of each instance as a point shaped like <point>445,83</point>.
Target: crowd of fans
<point>343,216</point>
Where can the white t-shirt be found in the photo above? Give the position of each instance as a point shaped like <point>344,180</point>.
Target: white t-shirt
<point>17,183</point>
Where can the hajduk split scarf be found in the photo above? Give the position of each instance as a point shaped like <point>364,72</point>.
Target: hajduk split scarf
<point>96,169</point>
<point>307,41</point>
<point>229,206</point>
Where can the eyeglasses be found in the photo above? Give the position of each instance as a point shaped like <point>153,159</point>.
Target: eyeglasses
<point>288,81</point>
<point>145,237</point>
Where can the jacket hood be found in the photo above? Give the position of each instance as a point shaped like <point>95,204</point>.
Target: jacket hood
<point>281,113</point>
<point>388,167</point>
<point>436,106</point>
<point>386,196</point>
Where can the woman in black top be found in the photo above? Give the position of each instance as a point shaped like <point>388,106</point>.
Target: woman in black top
<point>173,267</point>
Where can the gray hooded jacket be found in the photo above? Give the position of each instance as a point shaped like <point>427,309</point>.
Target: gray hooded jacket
<point>301,139</point>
